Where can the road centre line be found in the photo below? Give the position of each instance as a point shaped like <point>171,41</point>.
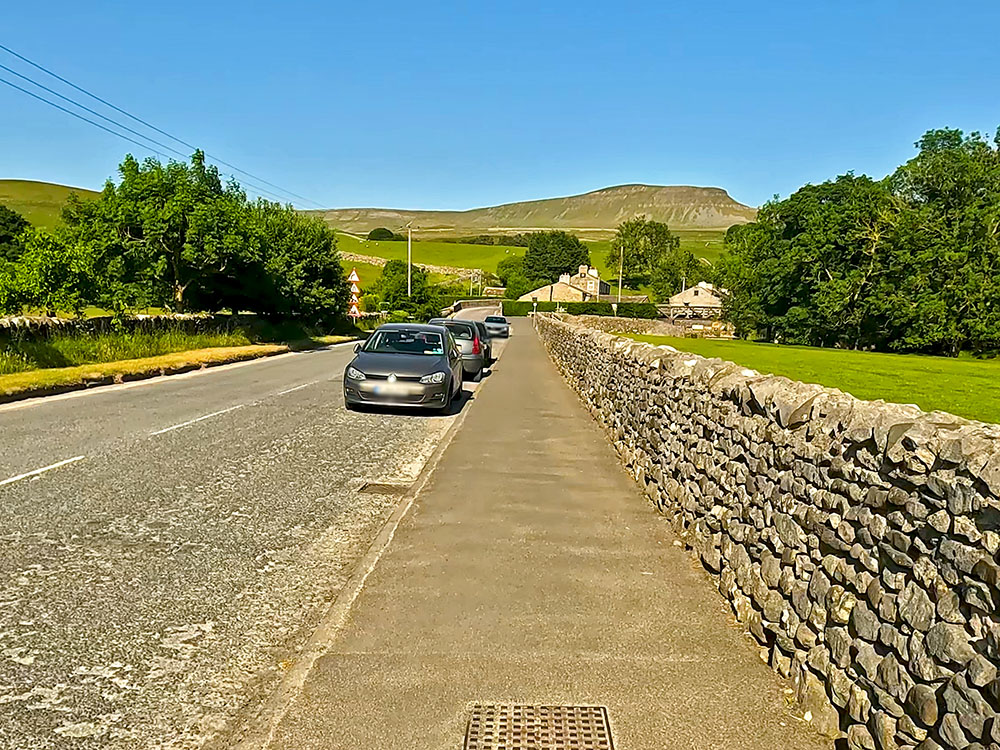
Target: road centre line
<point>296,388</point>
<point>44,469</point>
<point>199,419</point>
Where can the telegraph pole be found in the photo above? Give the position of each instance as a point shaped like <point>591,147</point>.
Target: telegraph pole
<point>621,266</point>
<point>409,259</point>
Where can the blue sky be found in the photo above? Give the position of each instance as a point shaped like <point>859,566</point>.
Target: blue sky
<point>456,105</point>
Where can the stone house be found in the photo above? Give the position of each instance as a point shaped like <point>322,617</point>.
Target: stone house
<point>583,286</point>
<point>702,301</point>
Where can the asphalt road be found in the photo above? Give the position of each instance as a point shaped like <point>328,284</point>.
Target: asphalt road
<point>159,576</point>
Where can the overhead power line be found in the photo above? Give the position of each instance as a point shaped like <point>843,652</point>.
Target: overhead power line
<point>144,146</point>
<point>79,116</point>
<point>136,119</point>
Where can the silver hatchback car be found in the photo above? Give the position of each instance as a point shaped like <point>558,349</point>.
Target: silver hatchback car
<point>470,341</point>
<point>498,326</point>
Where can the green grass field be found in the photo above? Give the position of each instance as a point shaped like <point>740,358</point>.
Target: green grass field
<point>964,386</point>
<point>704,244</point>
<point>40,203</point>
<point>453,254</point>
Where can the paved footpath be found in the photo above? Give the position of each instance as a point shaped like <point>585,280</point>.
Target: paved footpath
<point>532,570</point>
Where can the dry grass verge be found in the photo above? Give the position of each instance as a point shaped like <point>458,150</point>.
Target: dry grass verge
<point>41,382</point>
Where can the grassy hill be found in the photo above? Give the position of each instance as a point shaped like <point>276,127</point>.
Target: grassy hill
<point>593,214</point>
<point>703,243</point>
<point>39,202</point>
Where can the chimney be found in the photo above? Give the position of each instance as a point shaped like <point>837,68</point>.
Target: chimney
<point>564,278</point>
<point>595,273</point>
<point>583,270</point>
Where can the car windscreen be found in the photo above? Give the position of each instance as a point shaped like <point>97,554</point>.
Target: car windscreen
<point>405,342</point>
<point>459,330</point>
<point>495,319</point>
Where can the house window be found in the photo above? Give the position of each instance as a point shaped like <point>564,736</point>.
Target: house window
<point>695,292</point>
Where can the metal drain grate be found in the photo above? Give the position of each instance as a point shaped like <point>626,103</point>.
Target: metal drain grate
<point>507,726</point>
<point>383,488</point>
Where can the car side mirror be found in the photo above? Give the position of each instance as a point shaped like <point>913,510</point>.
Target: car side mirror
<point>357,348</point>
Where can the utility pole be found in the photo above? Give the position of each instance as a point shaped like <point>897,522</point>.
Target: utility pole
<point>621,266</point>
<point>409,259</point>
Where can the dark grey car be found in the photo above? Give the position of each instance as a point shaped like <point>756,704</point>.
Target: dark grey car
<point>469,341</point>
<point>404,364</point>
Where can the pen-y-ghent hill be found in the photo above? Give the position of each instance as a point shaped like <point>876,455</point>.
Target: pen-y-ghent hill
<point>594,213</point>
<point>597,212</point>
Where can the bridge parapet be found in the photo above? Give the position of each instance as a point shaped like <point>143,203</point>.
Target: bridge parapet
<point>857,541</point>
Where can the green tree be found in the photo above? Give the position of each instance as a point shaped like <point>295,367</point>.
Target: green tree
<point>168,228</point>
<point>641,246</point>
<point>509,267</point>
<point>390,288</point>
<point>381,233</point>
<point>12,224</point>
<point>553,253</point>
<point>173,235</point>
<point>50,275</point>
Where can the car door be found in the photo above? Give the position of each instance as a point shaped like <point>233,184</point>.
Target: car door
<point>454,359</point>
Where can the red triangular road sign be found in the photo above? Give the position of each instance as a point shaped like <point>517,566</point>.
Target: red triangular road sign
<point>354,299</point>
<point>354,276</point>
<point>355,289</point>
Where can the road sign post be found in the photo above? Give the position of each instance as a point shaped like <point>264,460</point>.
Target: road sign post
<point>353,311</point>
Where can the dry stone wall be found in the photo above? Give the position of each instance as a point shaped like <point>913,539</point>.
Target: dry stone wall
<point>629,325</point>
<point>856,541</point>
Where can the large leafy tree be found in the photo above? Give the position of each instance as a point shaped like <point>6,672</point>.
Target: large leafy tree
<point>639,246</point>
<point>907,263</point>
<point>553,253</point>
<point>50,275</point>
<point>391,288</point>
<point>512,275</point>
<point>168,229</point>
<point>12,224</point>
<point>175,236</point>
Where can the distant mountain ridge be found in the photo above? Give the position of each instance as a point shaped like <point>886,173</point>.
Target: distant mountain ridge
<point>599,211</point>
<point>595,213</point>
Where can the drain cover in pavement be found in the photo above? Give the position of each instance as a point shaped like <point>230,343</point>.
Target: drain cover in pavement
<point>382,488</point>
<point>508,726</point>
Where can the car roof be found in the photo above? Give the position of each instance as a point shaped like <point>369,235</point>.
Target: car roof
<point>445,321</point>
<point>410,327</point>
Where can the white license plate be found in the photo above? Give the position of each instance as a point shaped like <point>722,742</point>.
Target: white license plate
<point>394,389</point>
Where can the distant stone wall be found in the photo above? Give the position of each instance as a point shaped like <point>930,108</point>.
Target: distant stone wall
<point>857,541</point>
<point>629,325</point>
<point>374,260</point>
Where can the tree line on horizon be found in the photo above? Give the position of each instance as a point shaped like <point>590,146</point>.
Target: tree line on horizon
<point>908,263</point>
<point>174,236</point>
<point>646,251</point>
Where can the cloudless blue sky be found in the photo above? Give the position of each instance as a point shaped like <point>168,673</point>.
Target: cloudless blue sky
<point>456,105</point>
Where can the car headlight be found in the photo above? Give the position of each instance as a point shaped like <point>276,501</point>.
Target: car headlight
<point>355,374</point>
<point>437,377</point>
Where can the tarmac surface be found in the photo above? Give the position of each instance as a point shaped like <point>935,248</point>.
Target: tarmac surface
<point>167,546</point>
<point>529,570</point>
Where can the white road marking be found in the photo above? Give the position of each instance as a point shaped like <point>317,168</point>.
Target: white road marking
<point>199,419</point>
<point>44,469</point>
<point>296,388</point>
